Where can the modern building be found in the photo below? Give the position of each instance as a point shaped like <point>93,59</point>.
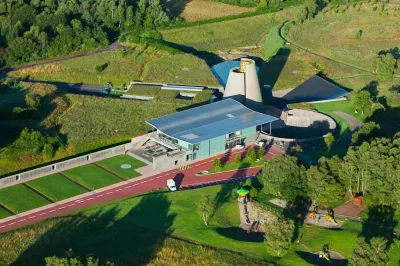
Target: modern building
<point>243,85</point>
<point>202,131</point>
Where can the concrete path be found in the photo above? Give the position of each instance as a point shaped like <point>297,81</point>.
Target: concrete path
<point>187,180</point>
<point>354,123</point>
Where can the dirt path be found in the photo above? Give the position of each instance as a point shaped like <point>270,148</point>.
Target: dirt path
<point>354,123</point>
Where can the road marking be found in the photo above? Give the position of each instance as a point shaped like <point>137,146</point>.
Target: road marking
<point>22,220</point>
<point>11,223</point>
<point>61,208</point>
<point>89,199</point>
<point>52,211</point>
<point>79,201</point>
<point>2,226</point>
<point>127,186</point>
<point>71,205</point>
<point>33,216</point>
<point>42,214</point>
<point>110,192</point>
<point>151,179</point>
<point>119,189</point>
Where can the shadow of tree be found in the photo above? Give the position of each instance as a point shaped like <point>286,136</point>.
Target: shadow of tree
<point>124,241</point>
<point>313,259</point>
<point>175,8</point>
<point>380,223</point>
<point>239,234</point>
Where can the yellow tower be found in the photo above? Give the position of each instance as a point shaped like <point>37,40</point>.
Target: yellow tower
<point>243,63</point>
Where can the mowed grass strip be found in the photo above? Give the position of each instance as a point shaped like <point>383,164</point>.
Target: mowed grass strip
<point>91,176</point>
<point>56,187</point>
<point>4,213</point>
<point>114,165</point>
<point>19,198</point>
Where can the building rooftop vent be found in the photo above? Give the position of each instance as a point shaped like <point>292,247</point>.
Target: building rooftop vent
<point>230,115</point>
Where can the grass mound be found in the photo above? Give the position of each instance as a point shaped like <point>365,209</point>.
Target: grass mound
<point>91,176</point>
<point>56,187</point>
<point>19,198</point>
<point>114,165</point>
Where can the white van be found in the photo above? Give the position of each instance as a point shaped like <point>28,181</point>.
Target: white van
<point>171,185</point>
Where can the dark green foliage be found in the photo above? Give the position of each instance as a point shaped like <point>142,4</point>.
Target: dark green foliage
<point>366,132</point>
<point>238,158</point>
<point>48,151</point>
<point>101,67</point>
<point>384,65</point>
<point>370,252</point>
<point>278,236</point>
<point>70,260</point>
<point>257,3</point>
<point>32,100</point>
<point>284,177</point>
<point>272,43</point>
<point>251,154</point>
<point>43,28</point>
<point>361,100</point>
<point>261,152</point>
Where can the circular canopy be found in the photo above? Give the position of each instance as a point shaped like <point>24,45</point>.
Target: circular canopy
<point>242,192</point>
<point>126,166</point>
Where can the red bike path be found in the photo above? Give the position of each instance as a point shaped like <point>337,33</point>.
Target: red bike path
<point>185,179</point>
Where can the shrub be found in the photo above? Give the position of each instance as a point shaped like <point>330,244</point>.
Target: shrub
<point>238,159</point>
<point>358,34</point>
<point>48,151</point>
<point>251,155</point>
<point>32,100</point>
<point>101,67</point>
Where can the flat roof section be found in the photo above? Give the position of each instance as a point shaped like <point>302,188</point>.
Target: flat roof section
<point>221,70</point>
<point>209,121</point>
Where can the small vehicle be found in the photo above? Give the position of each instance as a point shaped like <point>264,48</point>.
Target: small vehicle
<point>239,147</point>
<point>171,185</point>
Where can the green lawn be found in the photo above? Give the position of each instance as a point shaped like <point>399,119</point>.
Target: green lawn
<point>343,106</point>
<point>91,176</point>
<point>4,213</point>
<point>19,198</point>
<point>56,187</point>
<point>144,90</point>
<point>244,163</point>
<point>149,219</point>
<point>114,165</point>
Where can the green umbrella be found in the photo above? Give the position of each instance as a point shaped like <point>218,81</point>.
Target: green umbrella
<point>242,192</point>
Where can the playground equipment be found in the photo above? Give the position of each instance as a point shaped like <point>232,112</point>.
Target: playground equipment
<point>324,253</point>
<point>357,200</point>
<point>330,219</point>
<point>243,199</point>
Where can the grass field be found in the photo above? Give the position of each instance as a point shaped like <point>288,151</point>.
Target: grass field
<point>228,34</point>
<point>114,164</point>
<point>144,90</point>
<point>4,213</point>
<point>150,220</point>
<point>144,64</point>
<point>196,10</point>
<point>91,176</point>
<point>56,187</point>
<point>19,198</point>
<point>333,34</point>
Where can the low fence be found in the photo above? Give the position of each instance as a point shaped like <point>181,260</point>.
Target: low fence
<point>63,165</point>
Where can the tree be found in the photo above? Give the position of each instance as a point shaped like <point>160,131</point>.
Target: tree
<point>358,34</point>
<point>48,151</point>
<point>32,100</point>
<point>261,152</point>
<point>329,140</point>
<point>366,132</point>
<point>217,164</point>
<point>278,236</point>
<point>361,100</point>
<point>312,7</point>
<point>205,207</point>
<point>251,155</point>
<point>372,252</point>
<point>384,65</point>
<point>323,184</point>
<point>262,4</point>
<point>238,159</point>
<point>283,176</point>
<point>70,260</point>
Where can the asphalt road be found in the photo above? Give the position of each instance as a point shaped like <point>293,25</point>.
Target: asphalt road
<point>188,180</point>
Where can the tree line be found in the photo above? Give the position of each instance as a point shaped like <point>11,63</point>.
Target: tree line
<point>37,29</point>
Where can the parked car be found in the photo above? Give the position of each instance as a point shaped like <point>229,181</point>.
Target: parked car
<point>239,147</point>
<point>261,143</point>
<point>171,185</point>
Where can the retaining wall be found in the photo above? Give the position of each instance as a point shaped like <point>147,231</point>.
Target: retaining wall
<point>63,165</point>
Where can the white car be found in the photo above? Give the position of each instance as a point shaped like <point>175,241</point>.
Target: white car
<point>171,185</point>
<point>239,147</point>
<point>261,143</point>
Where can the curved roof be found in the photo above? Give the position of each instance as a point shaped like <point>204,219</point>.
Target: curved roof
<point>221,70</point>
<point>209,121</point>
